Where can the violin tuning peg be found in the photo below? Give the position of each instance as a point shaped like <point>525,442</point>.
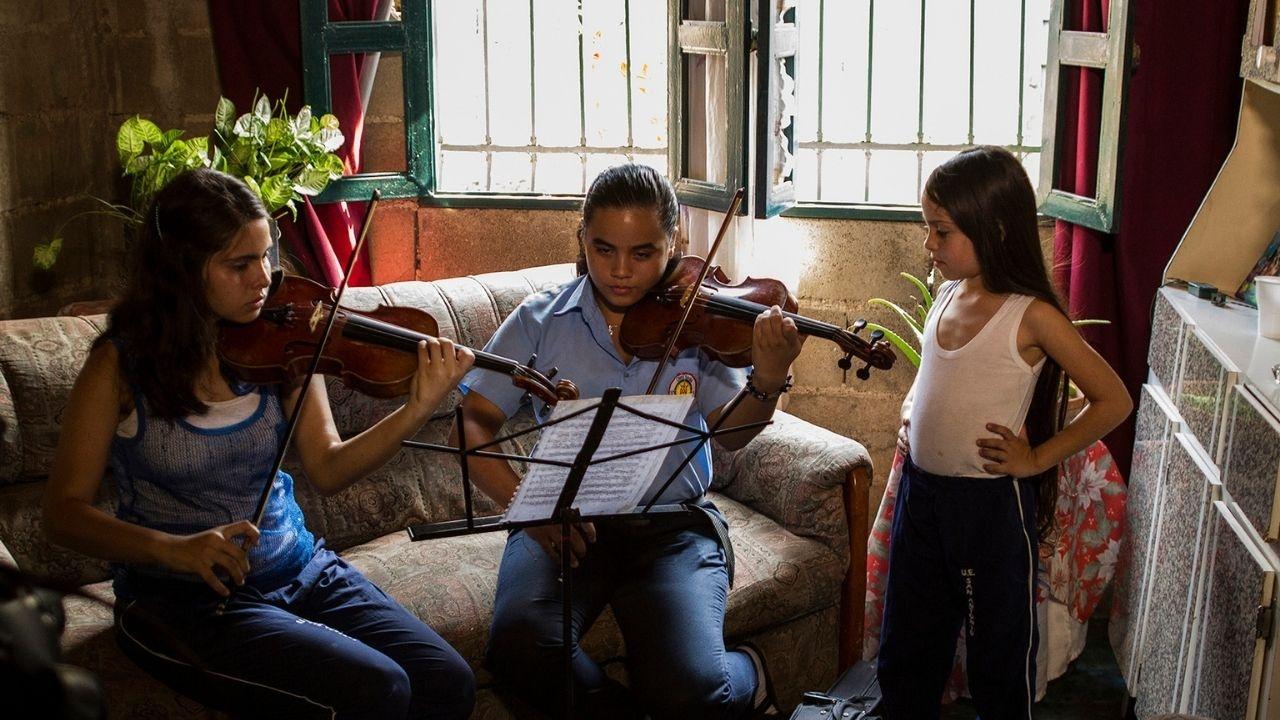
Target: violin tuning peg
<point>857,326</point>
<point>532,359</point>
<point>876,336</point>
<point>845,363</point>
<point>552,372</point>
<point>864,372</point>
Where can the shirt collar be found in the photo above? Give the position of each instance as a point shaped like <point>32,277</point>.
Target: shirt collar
<point>580,298</point>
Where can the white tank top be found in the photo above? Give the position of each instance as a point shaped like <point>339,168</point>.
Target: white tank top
<point>957,392</point>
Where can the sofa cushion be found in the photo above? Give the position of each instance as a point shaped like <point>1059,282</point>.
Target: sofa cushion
<point>39,359</point>
<point>21,533</point>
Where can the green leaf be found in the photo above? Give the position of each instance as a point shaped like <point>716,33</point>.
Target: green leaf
<point>906,317</point>
<point>134,136</point>
<point>925,296</point>
<point>253,185</point>
<point>329,121</point>
<point>276,191</point>
<point>169,137</point>
<point>302,123</point>
<point>333,165</point>
<point>262,109</point>
<point>46,254</point>
<point>199,146</point>
<point>311,182</point>
<point>278,131</point>
<point>224,117</point>
<point>330,139</point>
<point>910,353</point>
<point>138,164</point>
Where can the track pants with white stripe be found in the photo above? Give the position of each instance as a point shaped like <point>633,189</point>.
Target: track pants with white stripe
<point>962,555</point>
<point>329,644</point>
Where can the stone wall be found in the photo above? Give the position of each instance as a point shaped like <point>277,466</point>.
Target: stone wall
<point>70,72</point>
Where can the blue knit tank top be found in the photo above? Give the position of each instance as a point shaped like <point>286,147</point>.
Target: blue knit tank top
<point>178,478</point>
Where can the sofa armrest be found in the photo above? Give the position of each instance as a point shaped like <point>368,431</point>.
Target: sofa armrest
<point>816,484</point>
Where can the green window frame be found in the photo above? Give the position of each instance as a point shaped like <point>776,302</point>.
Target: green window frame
<point>695,42</point>
<point>777,41</point>
<point>321,38</point>
<point>1108,51</point>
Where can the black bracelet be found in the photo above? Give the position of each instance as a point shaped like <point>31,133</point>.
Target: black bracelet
<point>763,396</point>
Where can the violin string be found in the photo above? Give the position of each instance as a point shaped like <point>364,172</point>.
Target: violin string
<point>375,330</point>
<point>747,310</point>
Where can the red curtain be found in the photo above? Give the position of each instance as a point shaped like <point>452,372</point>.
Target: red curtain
<point>1183,100</point>
<point>259,49</point>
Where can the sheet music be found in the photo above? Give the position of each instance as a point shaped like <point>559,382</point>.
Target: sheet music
<point>610,487</point>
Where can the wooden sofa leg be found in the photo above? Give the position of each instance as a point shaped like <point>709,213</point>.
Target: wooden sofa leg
<point>853,595</point>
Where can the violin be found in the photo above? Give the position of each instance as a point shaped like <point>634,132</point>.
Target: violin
<point>723,316</point>
<point>373,352</point>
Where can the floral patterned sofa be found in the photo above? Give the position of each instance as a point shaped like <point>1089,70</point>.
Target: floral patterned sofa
<point>789,496</point>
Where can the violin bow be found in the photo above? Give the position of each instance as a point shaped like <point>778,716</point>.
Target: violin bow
<point>315,319</point>
<point>691,293</point>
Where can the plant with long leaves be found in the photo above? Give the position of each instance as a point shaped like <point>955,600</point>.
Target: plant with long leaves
<point>281,157</point>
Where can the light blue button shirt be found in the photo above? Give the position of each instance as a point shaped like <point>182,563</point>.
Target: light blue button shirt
<point>567,331</point>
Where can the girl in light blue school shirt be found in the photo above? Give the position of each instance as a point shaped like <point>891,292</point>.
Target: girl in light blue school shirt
<point>666,583</point>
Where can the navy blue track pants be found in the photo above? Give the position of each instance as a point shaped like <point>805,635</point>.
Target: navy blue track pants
<point>962,554</point>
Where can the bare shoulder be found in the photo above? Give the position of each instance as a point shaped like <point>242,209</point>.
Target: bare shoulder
<point>1043,318</point>
<point>102,367</point>
<point>102,384</point>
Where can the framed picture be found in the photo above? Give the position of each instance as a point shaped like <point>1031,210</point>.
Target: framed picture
<point>1268,264</point>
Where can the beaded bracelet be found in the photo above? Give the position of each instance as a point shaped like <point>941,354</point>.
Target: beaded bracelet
<point>763,396</point>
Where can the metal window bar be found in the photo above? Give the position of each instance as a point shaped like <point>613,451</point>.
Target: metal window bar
<point>871,49</point>
<point>535,148</point>
<point>488,127</point>
<point>533,97</point>
<point>1019,148</point>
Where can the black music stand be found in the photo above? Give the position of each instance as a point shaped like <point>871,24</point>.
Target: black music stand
<point>565,514</point>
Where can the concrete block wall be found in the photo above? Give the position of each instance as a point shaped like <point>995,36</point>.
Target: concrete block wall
<point>70,72</point>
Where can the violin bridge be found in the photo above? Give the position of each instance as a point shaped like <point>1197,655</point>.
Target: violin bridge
<point>316,316</point>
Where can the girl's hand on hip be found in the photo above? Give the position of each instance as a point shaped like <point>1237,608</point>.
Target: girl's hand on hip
<point>212,553</point>
<point>441,365</point>
<point>904,438</point>
<point>775,344</point>
<point>1011,454</point>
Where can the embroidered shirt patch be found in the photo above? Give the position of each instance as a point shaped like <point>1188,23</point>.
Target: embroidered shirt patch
<point>683,384</point>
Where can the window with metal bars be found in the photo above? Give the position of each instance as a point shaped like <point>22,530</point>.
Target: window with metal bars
<point>539,97</point>
<point>523,102</point>
<point>889,90</point>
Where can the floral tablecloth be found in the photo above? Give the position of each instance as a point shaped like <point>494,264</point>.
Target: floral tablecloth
<point>1075,570</point>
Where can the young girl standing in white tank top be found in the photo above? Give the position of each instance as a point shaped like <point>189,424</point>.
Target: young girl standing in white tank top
<point>982,436</point>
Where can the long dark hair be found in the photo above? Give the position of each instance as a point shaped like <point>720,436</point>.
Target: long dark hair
<point>163,321</point>
<point>989,197</point>
<point>630,186</point>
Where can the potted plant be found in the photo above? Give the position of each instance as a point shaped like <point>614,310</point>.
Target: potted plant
<point>281,157</point>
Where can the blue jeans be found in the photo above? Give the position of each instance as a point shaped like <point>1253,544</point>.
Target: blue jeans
<point>962,554</point>
<point>328,644</point>
<point>667,585</point>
